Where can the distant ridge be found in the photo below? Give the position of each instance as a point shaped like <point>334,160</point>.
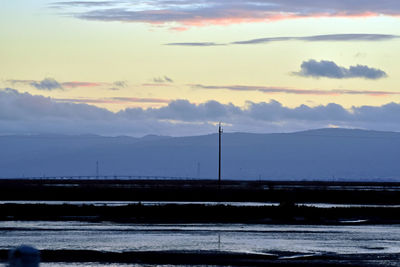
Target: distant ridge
<point>152,137</point>
<point>346,131</point>
<point>321,154</point>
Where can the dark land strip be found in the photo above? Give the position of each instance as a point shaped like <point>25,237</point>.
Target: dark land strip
<point>287,193</point>
<point>199,213</point>
<point>200,190</point>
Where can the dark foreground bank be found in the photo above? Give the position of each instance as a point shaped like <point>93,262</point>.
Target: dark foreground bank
<point>287,213</point>
<point>290,195</point>
<point>219,258</point>
<point>82,189</point>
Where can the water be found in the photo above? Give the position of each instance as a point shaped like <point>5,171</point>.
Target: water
<point>116,237</point>
<point>97,264</point>
<point>208,203</point>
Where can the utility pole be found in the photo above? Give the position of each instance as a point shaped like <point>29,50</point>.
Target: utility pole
<point>219,156</point>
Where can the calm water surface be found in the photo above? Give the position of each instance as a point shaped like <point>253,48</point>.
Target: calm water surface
<point>224,237</point>
<point>155,203</point>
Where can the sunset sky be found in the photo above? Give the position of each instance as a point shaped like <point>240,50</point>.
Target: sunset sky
<point>178,67</point>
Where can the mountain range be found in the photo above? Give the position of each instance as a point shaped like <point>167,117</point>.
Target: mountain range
<point>323,154</point>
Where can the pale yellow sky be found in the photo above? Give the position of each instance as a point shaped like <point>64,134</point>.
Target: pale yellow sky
<point>37,43</point>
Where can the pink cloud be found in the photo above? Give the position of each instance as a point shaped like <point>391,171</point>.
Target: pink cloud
<point>196,13</point>
<point>156,84</point>
<point>113,100</point>
<point>75,84</point>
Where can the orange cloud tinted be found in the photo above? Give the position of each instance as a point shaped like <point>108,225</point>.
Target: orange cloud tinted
<point>248,17</point>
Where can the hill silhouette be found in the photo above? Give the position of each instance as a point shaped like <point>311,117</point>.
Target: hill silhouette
<point>323,154</point>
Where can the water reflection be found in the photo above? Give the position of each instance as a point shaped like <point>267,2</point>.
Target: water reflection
<point>224,237</point>
<point>155,203</point>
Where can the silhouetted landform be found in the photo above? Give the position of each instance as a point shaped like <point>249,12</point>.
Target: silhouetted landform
<point>201,190</point>
<point>217,258</point>
<point>286,213</point>
<point>326,154</point>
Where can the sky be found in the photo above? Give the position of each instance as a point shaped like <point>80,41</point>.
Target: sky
<point>178,67</point>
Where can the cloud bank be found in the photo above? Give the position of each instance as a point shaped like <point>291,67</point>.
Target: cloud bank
<point>330,69</point>
<point>188,13</point>
<point>23,113</point>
